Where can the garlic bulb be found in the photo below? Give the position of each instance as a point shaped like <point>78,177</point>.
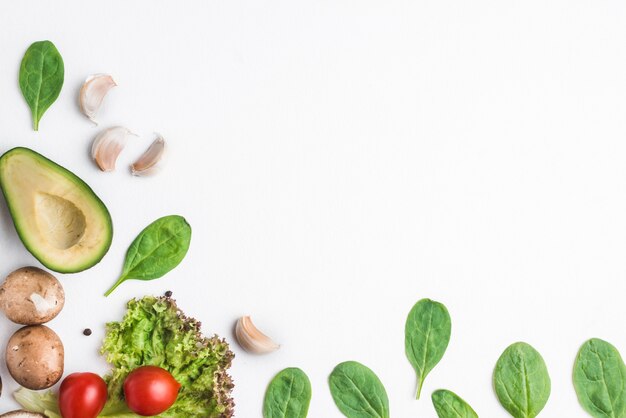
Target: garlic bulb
<point>92,94</point>
<point>152,160</point>
<point>107,146</point>
<point>251,339</point>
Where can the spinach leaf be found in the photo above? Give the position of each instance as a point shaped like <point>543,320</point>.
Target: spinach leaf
<point>426,337</point>
<point>450,405</point>
<point>600,380</point>
<point>288,395</point>
<point>521,381</point>
<point>159,248</point>
<point>41,78</point>
<point>357,391</point>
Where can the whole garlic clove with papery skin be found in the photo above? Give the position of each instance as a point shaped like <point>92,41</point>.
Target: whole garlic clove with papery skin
<point>108,145</point>
<point>251,339</point>
<point>92,94</point>
<point>152,160</point>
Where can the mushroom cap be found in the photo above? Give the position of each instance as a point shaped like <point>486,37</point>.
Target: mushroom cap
<point>22,414</point>
<point>35,357</point>
<point>31,296</point>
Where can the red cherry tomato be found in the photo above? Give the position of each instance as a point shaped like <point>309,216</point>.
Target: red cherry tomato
<point>82,395</point>
<point>150,390</point>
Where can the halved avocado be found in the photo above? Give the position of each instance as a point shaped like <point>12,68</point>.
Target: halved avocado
<point>58,217</point>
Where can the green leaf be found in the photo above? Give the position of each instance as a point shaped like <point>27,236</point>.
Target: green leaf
<point>449,405</point>
<point>159,248</point>
<point>155,332</point>
<point>357,391</point>
<point>41,78</point>
<point>43,402</point>
<point>288,395</point>
<point>600,380</point>
<point>426,337</point>
<point>521,381</point>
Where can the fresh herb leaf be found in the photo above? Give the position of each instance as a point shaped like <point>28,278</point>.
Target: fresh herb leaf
<point>521,381</point>
<point>600,380</point>
<point>449,405</point>
<point>426,337</point>
<point>288,395</point>
<point>41,78</point>
<point>357,391</point>
<point>159,248</point>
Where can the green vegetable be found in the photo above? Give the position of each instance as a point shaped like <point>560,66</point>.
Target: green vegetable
<point>426,337</point>
<point>521,381</point>
<point>60,220</point>
<point>43,402</point>
<point>600,380</point>
<point>288,395</point>
<point>159,248</point>
<point>357,391</point>
<point>41,78</point>
<point>155,332</point>
<point>450,405</point>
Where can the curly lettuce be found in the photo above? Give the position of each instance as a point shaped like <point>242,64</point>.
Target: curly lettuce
<point>155,332</point>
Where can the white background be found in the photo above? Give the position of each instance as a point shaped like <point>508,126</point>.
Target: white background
<point>339,160</point>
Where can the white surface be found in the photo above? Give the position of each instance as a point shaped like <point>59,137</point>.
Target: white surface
<point>339,161</point>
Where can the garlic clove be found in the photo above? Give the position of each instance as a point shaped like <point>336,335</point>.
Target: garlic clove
<point>251,339</point>
<point>92,94</point>
<point>152,160</point>
<point>108,145</point>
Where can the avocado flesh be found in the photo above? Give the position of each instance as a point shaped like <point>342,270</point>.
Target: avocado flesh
<point>57,216</point>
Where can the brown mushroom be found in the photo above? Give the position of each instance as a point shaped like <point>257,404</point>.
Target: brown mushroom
<point>31,296</point>
<point>35,357</point>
